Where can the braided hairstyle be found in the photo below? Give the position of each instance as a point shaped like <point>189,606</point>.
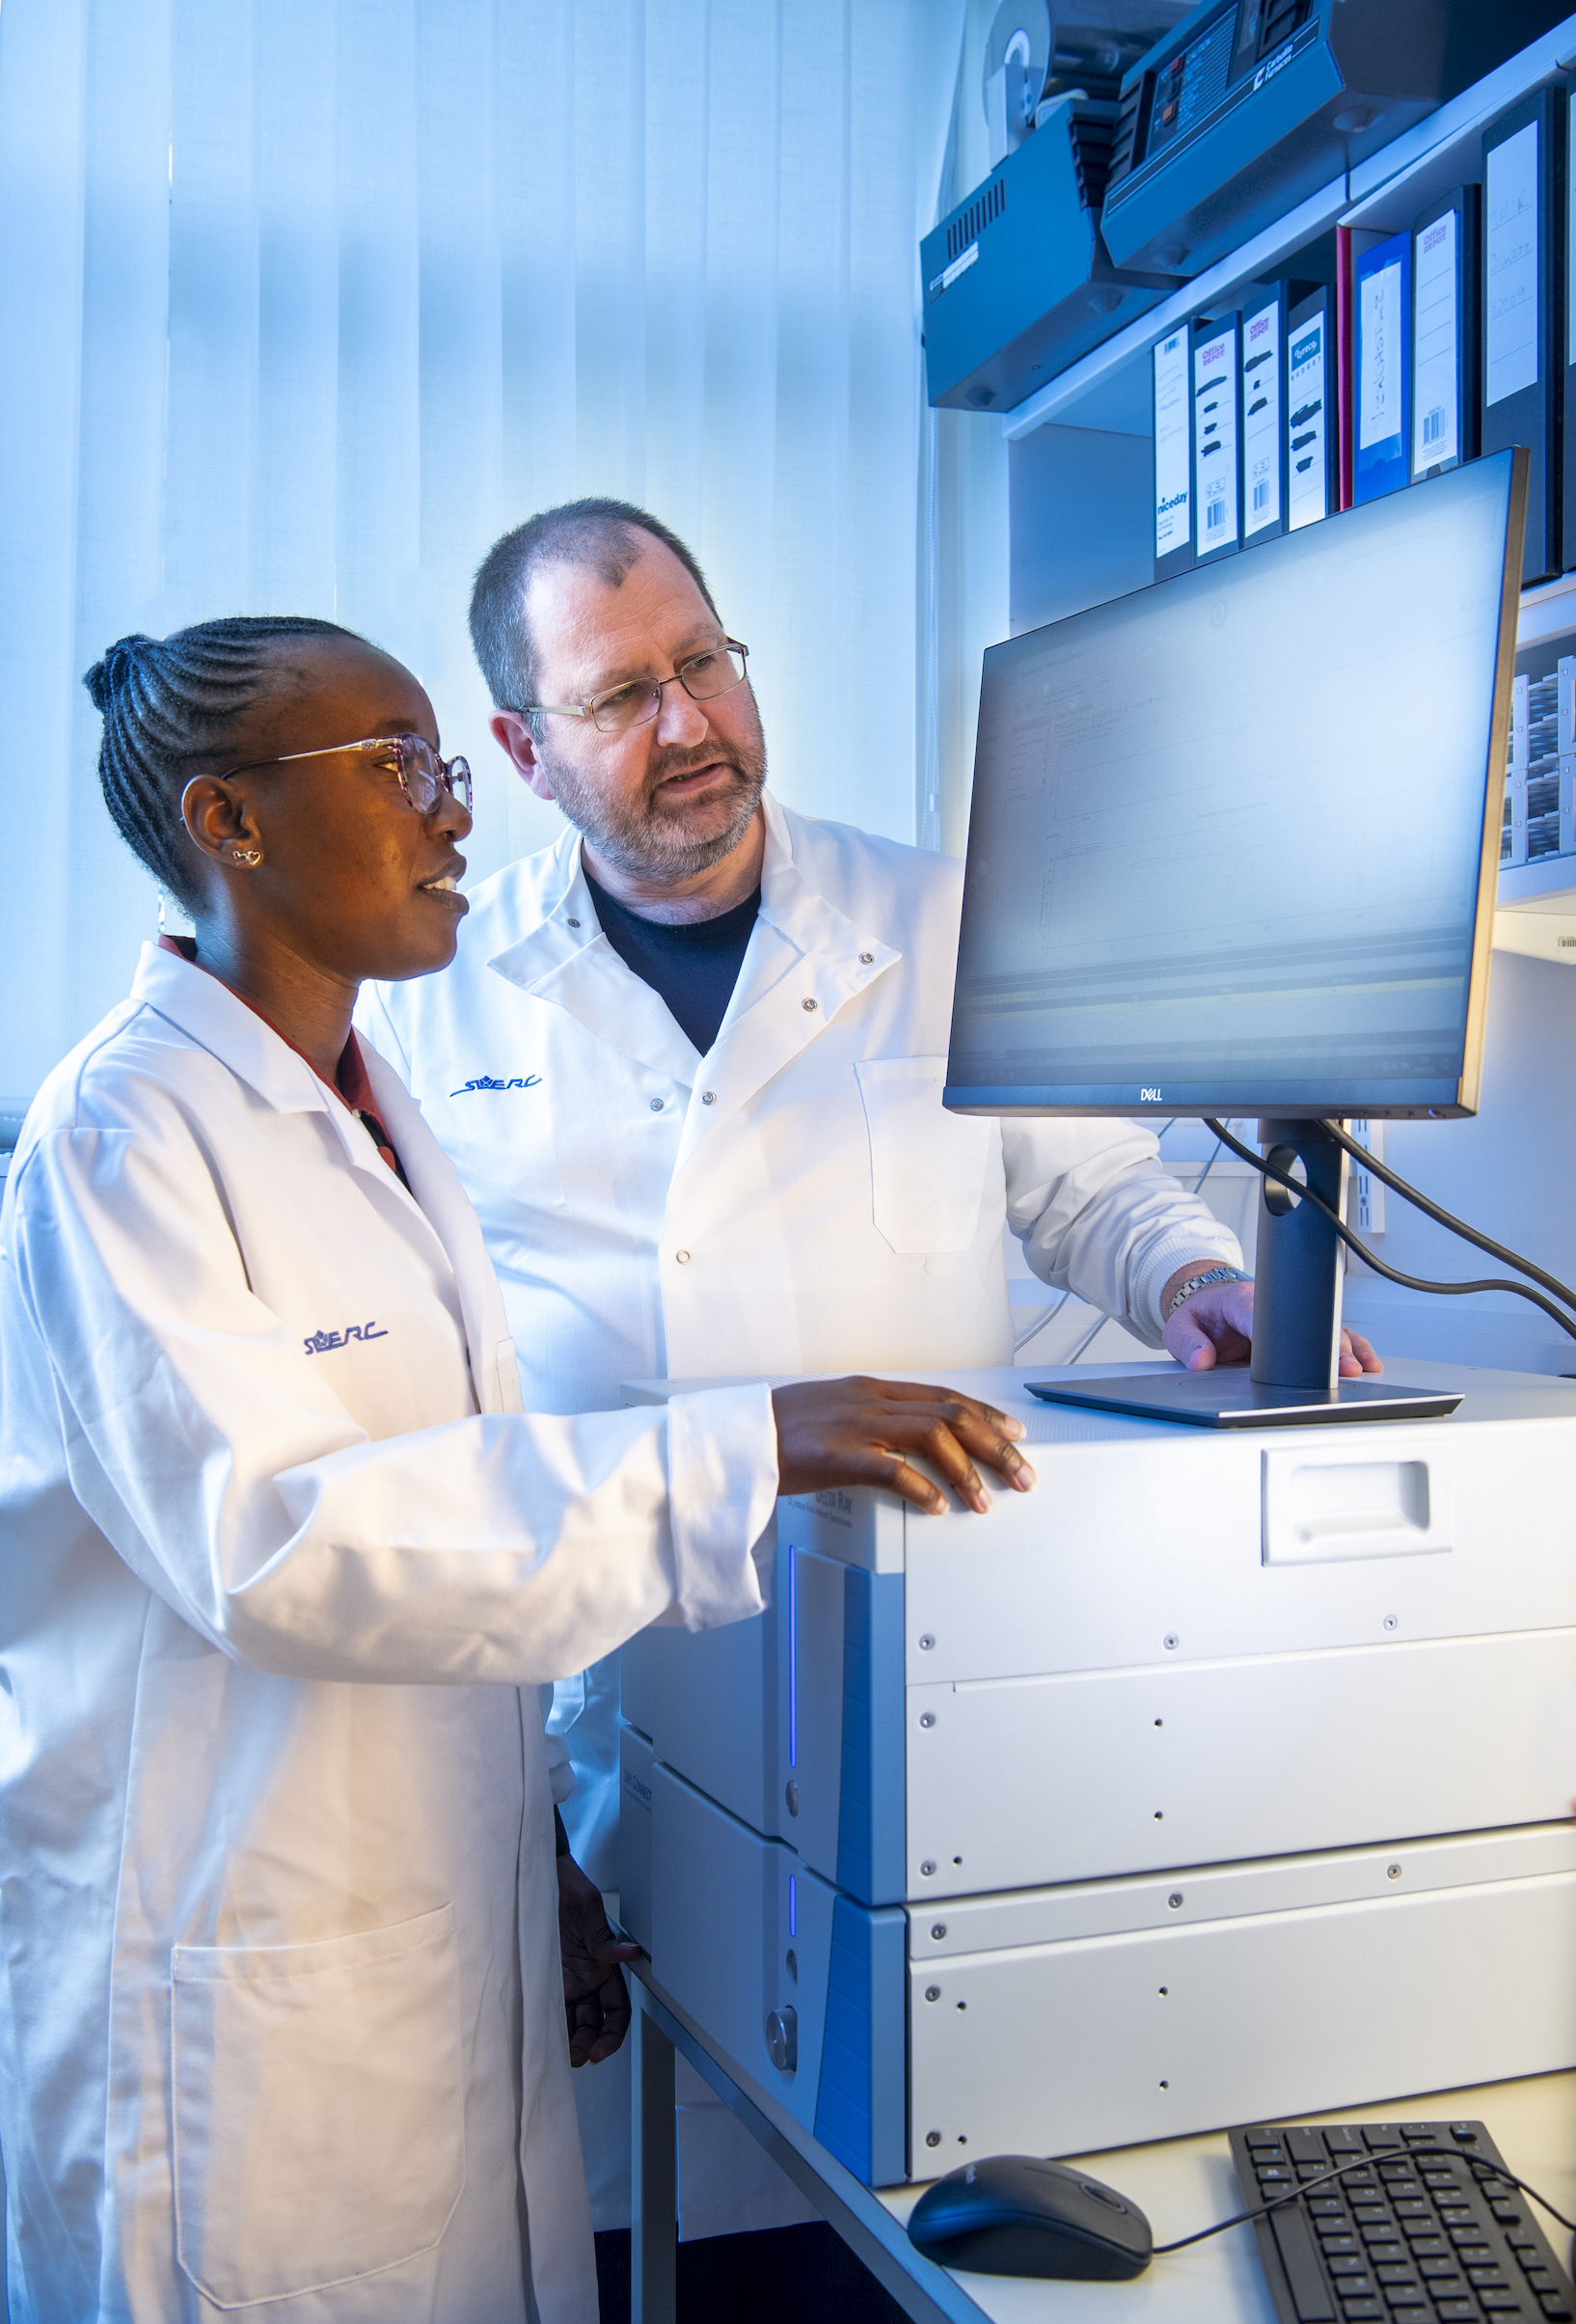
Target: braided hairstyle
<point>169,703</point>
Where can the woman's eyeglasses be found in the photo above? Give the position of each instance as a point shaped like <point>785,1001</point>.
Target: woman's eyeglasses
<point>423,777</point>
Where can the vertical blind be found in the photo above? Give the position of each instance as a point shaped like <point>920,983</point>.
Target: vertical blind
<point>303,302</point>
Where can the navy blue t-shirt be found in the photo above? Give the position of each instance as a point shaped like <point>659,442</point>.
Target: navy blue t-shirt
<point>692,964</point>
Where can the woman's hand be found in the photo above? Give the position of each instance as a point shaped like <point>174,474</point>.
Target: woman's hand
<point>595,1996</point>
<point>861,1432</point>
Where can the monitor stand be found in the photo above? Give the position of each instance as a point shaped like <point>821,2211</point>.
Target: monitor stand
<point>1293,1379</point>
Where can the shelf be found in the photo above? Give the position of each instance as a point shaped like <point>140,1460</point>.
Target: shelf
<point>1539,935</point>
<point>1547,610</point>
<point>1536,911</point>
<point>1080,384</point>
<point>1542,886</point>
<point>1380,196</point>
<point>1444,149</point>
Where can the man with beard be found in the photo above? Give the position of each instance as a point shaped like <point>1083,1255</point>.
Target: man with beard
<point>688,1063</point>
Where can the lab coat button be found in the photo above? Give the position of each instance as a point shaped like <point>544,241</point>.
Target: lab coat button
<point>865,959</point>
<point>708,1097</point>
<point>683,1258</point>
<point>656,1104</point>
<point>809,1004</point>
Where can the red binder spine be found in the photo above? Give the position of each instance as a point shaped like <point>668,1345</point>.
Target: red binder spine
<point>1342,355</point>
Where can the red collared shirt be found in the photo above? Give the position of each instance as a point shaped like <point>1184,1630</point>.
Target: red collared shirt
<point>350,1079</point>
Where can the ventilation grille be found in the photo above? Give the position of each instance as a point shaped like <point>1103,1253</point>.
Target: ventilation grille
<point>1126,127</point>
<point>971,223</point>
<point>1095,130</point>
<point>1281,21</point>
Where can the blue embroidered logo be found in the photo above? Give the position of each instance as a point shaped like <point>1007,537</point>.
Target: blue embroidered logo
<point>531,1080</point>
<point>320,1341</point>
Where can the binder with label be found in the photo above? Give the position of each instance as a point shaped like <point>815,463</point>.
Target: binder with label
<point>1263,410</point>
<point>1172,455</point>
<point>1567,412</point>
<point>1523,260</point>
<point>1381,370</point>
<point>1218,464</point>
<point>1313,480</point>
<point>1343,361</point>
<point>1446,332</point>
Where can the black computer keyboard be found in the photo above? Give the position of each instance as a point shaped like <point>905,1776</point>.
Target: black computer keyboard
<point>1405,2235</point>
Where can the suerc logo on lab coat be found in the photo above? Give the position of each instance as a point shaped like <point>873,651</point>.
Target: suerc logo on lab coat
<point>530,1081</point>
<point>318,1343</point>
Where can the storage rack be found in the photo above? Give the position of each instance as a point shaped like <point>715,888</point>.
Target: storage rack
<point>1380,196</point>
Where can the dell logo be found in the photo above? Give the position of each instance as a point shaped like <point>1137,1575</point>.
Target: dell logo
<point>1149,1097</point>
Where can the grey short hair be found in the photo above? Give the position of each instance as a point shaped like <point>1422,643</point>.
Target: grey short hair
<point>601,533</point>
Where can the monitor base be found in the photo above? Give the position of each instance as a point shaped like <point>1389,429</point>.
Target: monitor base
<point>1228,1397</point>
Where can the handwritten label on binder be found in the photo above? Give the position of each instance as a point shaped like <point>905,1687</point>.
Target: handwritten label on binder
<point>1510,322</point>
<point>1379,386</point>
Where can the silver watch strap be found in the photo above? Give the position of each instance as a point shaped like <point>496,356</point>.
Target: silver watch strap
<point>1199,1282</point>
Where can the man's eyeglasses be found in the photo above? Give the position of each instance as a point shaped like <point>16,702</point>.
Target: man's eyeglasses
<point>423,777</point>
<point>637,702</point>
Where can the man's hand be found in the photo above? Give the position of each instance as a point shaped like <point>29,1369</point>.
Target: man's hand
<point>595,1997</point>
<point>861,1432</point>
<point>1216,1326</point>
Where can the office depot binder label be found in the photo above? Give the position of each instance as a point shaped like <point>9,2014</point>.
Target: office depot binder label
<point>1307,498</point>
<point>1172,507</point>
<point>1214,400</point>
<point>1262,420</point>
<point>1436,432</point>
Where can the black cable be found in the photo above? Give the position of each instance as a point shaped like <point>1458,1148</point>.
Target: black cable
<point>1392,1274</point>
<point>1442,1217</point>
<point>1483,2172</point>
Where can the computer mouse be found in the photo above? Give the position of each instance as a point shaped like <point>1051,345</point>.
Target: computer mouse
<point>1015,2215</point>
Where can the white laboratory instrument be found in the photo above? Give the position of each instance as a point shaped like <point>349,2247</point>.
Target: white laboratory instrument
<point>1220,1777</point>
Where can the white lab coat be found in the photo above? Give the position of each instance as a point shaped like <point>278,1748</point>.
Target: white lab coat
<point>281,1567</point>
<point>795,1201</point>
<point>803,1204</point>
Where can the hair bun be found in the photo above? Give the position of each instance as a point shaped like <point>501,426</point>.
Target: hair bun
<point>107,678</point>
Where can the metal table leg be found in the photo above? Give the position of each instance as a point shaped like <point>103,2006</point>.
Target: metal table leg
<point>653,2168</point>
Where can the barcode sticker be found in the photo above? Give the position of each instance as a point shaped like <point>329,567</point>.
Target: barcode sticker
<point>1261,494</point>
<point>1215,515</point>
<point>1434,424</point>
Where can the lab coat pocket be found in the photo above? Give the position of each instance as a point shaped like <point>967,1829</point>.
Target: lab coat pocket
<point>927,1167</point>
<point>319,2107</point>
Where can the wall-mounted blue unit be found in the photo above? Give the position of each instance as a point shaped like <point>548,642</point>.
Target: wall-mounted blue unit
<point>1016,282</point>
<point>1250,106</point>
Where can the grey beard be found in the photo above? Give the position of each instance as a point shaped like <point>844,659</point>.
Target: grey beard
<point>650,845</point>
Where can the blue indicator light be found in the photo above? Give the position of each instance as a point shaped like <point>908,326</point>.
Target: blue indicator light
<point>793,1657</point>
<point>793,1905</point>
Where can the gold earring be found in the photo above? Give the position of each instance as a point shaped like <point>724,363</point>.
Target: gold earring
<point>249,855</point>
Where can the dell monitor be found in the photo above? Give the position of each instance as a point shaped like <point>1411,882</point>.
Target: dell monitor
<point>1233,850</point>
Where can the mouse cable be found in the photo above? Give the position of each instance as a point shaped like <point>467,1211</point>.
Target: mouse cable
<point>1392,1274</point>
<point>1482,2171</point>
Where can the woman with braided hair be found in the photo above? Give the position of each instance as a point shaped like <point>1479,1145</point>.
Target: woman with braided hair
<point>283,1565</point>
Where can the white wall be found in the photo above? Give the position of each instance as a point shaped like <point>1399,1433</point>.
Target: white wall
<point>1508,1171</point>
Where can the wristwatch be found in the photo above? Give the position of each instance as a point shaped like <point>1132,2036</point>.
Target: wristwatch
<point>1212,1275</point>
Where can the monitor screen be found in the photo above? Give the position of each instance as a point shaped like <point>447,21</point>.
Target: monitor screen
<point>1232,836</point>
